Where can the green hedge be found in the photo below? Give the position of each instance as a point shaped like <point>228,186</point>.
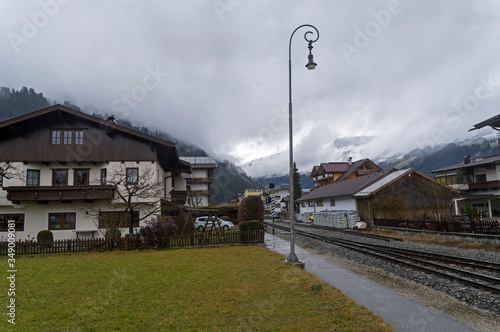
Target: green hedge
<point>45,238</point>
<point>251,225</point>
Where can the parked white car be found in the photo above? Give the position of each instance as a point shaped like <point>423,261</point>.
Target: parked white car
<point>201,222</point>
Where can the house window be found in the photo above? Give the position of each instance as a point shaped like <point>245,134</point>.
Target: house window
<point>59,177</point>
<point>33,177</point>
<point>78,137</point>
<point>303,204</point>
<point>1,177</point>
<point>104,176</point>
<point>320,203</point>
<point>332,202</point>
<point>132,175</point>
<point>81,177</point>
<point>117,219</point>
<point>311,204</point>
<point>55,137</point>
<point>66,137</point>
<point>481,178</point>
<point>17,218</point>
<point>63,220</point>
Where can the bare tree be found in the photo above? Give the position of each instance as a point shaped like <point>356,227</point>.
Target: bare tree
<point>10,171</point>
<point>134,189</point>
<point>196,201</point>
<point>437,198</point>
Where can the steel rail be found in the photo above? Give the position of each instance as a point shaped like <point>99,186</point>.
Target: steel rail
<point>383,254</point>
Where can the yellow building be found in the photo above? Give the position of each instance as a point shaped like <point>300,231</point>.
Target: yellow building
<point>254,192</point>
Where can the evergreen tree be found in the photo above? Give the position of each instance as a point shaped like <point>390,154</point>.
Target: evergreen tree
<point>297,188</point>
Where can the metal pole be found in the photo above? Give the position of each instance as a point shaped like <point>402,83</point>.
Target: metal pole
<point>292,257</point>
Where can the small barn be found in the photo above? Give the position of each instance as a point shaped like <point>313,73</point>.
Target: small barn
<point>391,194</point>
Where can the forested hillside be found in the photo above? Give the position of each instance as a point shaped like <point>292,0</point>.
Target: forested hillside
<point>229,180</point>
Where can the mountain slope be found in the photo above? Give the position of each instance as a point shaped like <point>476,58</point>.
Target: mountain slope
<point>423,160</point>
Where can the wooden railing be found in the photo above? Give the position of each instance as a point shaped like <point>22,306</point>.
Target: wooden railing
<point>199,239</point>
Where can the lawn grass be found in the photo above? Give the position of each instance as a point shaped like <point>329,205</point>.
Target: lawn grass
<point>230,288</point>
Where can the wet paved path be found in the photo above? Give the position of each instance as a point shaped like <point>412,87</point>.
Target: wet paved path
<point>403,314</point>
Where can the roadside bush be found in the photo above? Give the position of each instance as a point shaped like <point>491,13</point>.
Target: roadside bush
<point>248,226</point>
<point>157,231</point>
<point>45,238</point>
<point>251,208</point>
<point>471,211</point>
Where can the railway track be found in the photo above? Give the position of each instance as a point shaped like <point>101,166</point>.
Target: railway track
<point>442,265</point>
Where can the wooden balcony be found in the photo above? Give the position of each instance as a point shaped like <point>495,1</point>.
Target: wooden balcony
<point>46,194</point>
<point>200,192</point>
<point>178,196</point>
<point>484,185</point>
<point>199,180</point>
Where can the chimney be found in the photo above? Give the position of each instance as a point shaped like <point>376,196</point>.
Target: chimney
<point>349,161</point>
<point>112,119</point>
<point>466,160</point>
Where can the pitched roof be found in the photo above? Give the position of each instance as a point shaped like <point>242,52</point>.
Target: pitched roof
<point>346,187</point>
<point>355,166</point>
<point>334,167</point>
<point>495,159</point>
<point>493,122</point>
<point>377,185</point>
<point>200,162</point>
<point>342,167</point>
<point>167,153</point>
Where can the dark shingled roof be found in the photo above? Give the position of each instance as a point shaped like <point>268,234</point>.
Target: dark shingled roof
<point>473,163</point>
<point>346,187</point>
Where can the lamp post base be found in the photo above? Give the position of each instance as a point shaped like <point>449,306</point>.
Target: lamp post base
<point>299,264</point>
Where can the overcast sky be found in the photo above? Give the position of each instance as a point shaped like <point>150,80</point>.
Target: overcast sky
<point>214,73</point>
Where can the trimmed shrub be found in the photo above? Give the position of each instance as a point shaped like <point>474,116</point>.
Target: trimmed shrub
<point>248,226</point>
<point>45,238</point>
<point>251,208</point>
<point>251,225</point>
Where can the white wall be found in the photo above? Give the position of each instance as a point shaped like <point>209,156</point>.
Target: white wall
<point>341,203</point>
<point>36,215</point>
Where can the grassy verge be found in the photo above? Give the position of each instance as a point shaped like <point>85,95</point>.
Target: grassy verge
<point>231,288</point>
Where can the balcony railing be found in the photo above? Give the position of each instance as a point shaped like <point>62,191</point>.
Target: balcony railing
<point>58,193</point>
<point>199,180</point>
<point>484,185</point>
<point>178,196</point>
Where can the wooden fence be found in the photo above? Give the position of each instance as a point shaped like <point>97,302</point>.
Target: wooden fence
<point>132,243</point>
<point>490,227</point>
